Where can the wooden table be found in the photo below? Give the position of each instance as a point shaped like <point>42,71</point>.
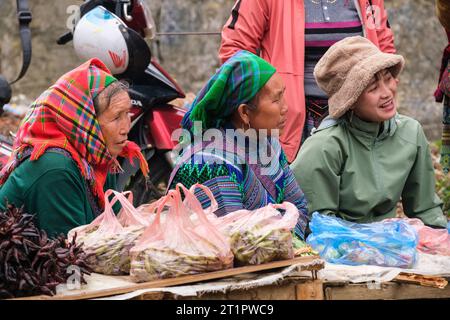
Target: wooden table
<point>290,288</point>
<point>383,291</point>
<point>302,289</point>
<point>310,263</point>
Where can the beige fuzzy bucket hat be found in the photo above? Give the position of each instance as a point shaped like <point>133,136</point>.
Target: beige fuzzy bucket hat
<point>346,69</point>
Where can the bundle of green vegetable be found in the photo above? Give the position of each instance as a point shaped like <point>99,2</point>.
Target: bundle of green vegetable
<point>153,263</point>
<point>108,239</point>
<point>262,235</point>
<point>110,254</point>
<point>255,247</point>
<point>184,242</point>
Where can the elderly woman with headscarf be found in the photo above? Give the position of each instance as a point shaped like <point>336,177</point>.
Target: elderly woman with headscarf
<point>243,107</point>
<point>66,146</point>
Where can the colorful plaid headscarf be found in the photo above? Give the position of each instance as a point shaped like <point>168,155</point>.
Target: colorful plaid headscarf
<point>236,82</point>
<point>64,117</point>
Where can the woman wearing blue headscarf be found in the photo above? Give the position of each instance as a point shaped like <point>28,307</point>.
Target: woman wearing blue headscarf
<point>242,106</point>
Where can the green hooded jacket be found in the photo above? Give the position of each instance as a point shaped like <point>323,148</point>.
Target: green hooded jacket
<point>359,171</point>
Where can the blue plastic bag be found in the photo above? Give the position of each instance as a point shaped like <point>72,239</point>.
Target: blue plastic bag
<point>448,227</point>
<point>388,244</point>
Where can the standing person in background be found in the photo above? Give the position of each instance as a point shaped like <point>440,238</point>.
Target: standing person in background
<point>443,90</point>
<point>293,35</point>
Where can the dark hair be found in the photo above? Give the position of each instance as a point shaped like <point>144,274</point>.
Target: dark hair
<point>103,99</point>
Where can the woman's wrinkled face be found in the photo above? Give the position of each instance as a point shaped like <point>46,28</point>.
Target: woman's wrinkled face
<point>377,102</point>
<point>270,111</point>
<point>115,122</point>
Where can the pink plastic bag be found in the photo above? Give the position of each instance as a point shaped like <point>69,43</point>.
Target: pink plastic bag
<point>431,241</point>
<point>183,243</point>
<point>209,212</point>
<point>109,238</point>
<point>106,223</point>
<point>262,235</point>
<point>129,215</point>
<point>148,210</point>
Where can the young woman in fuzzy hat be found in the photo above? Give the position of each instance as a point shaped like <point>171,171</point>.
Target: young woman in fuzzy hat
<point>365,157</point>
<point>293,35</point>
<point>66,146</point>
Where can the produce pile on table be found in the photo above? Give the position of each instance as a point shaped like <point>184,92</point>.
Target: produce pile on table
<point>302,249</point>
<point>262,235</point>
<point>388,243</point>
<point>431,241</point>
<point>110,254</point>
<point>252,247</point>
<point>174,236</point>
<point>186,242</point>
<point>151,264</point>
<point>109,238</point>
<point>171,237</point>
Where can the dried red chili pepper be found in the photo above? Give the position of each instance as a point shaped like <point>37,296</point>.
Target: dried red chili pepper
<point>30,262</point>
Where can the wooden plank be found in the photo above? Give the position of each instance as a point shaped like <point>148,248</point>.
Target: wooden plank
<point>310,290</point>
<point>271,292</point>
<point>384,291</point>
<point>150,296</point>
<point>426,281</point>
<point>305,263</point>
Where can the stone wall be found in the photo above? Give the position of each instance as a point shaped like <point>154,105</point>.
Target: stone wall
<point>49,60</point>
<point>192,59</point>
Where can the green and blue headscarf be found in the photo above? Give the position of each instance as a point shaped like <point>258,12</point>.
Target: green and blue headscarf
<point>236,82</point>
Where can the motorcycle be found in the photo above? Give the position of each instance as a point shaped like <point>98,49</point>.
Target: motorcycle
<point>114,32</point>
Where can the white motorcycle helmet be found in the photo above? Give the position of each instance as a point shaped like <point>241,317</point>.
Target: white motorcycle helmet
<point>101,34</point>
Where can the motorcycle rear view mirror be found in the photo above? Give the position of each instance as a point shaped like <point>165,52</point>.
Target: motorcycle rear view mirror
<point>140,19</point>
<point>138,52</point>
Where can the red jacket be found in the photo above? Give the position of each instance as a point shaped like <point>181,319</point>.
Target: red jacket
<point>277,29</point>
